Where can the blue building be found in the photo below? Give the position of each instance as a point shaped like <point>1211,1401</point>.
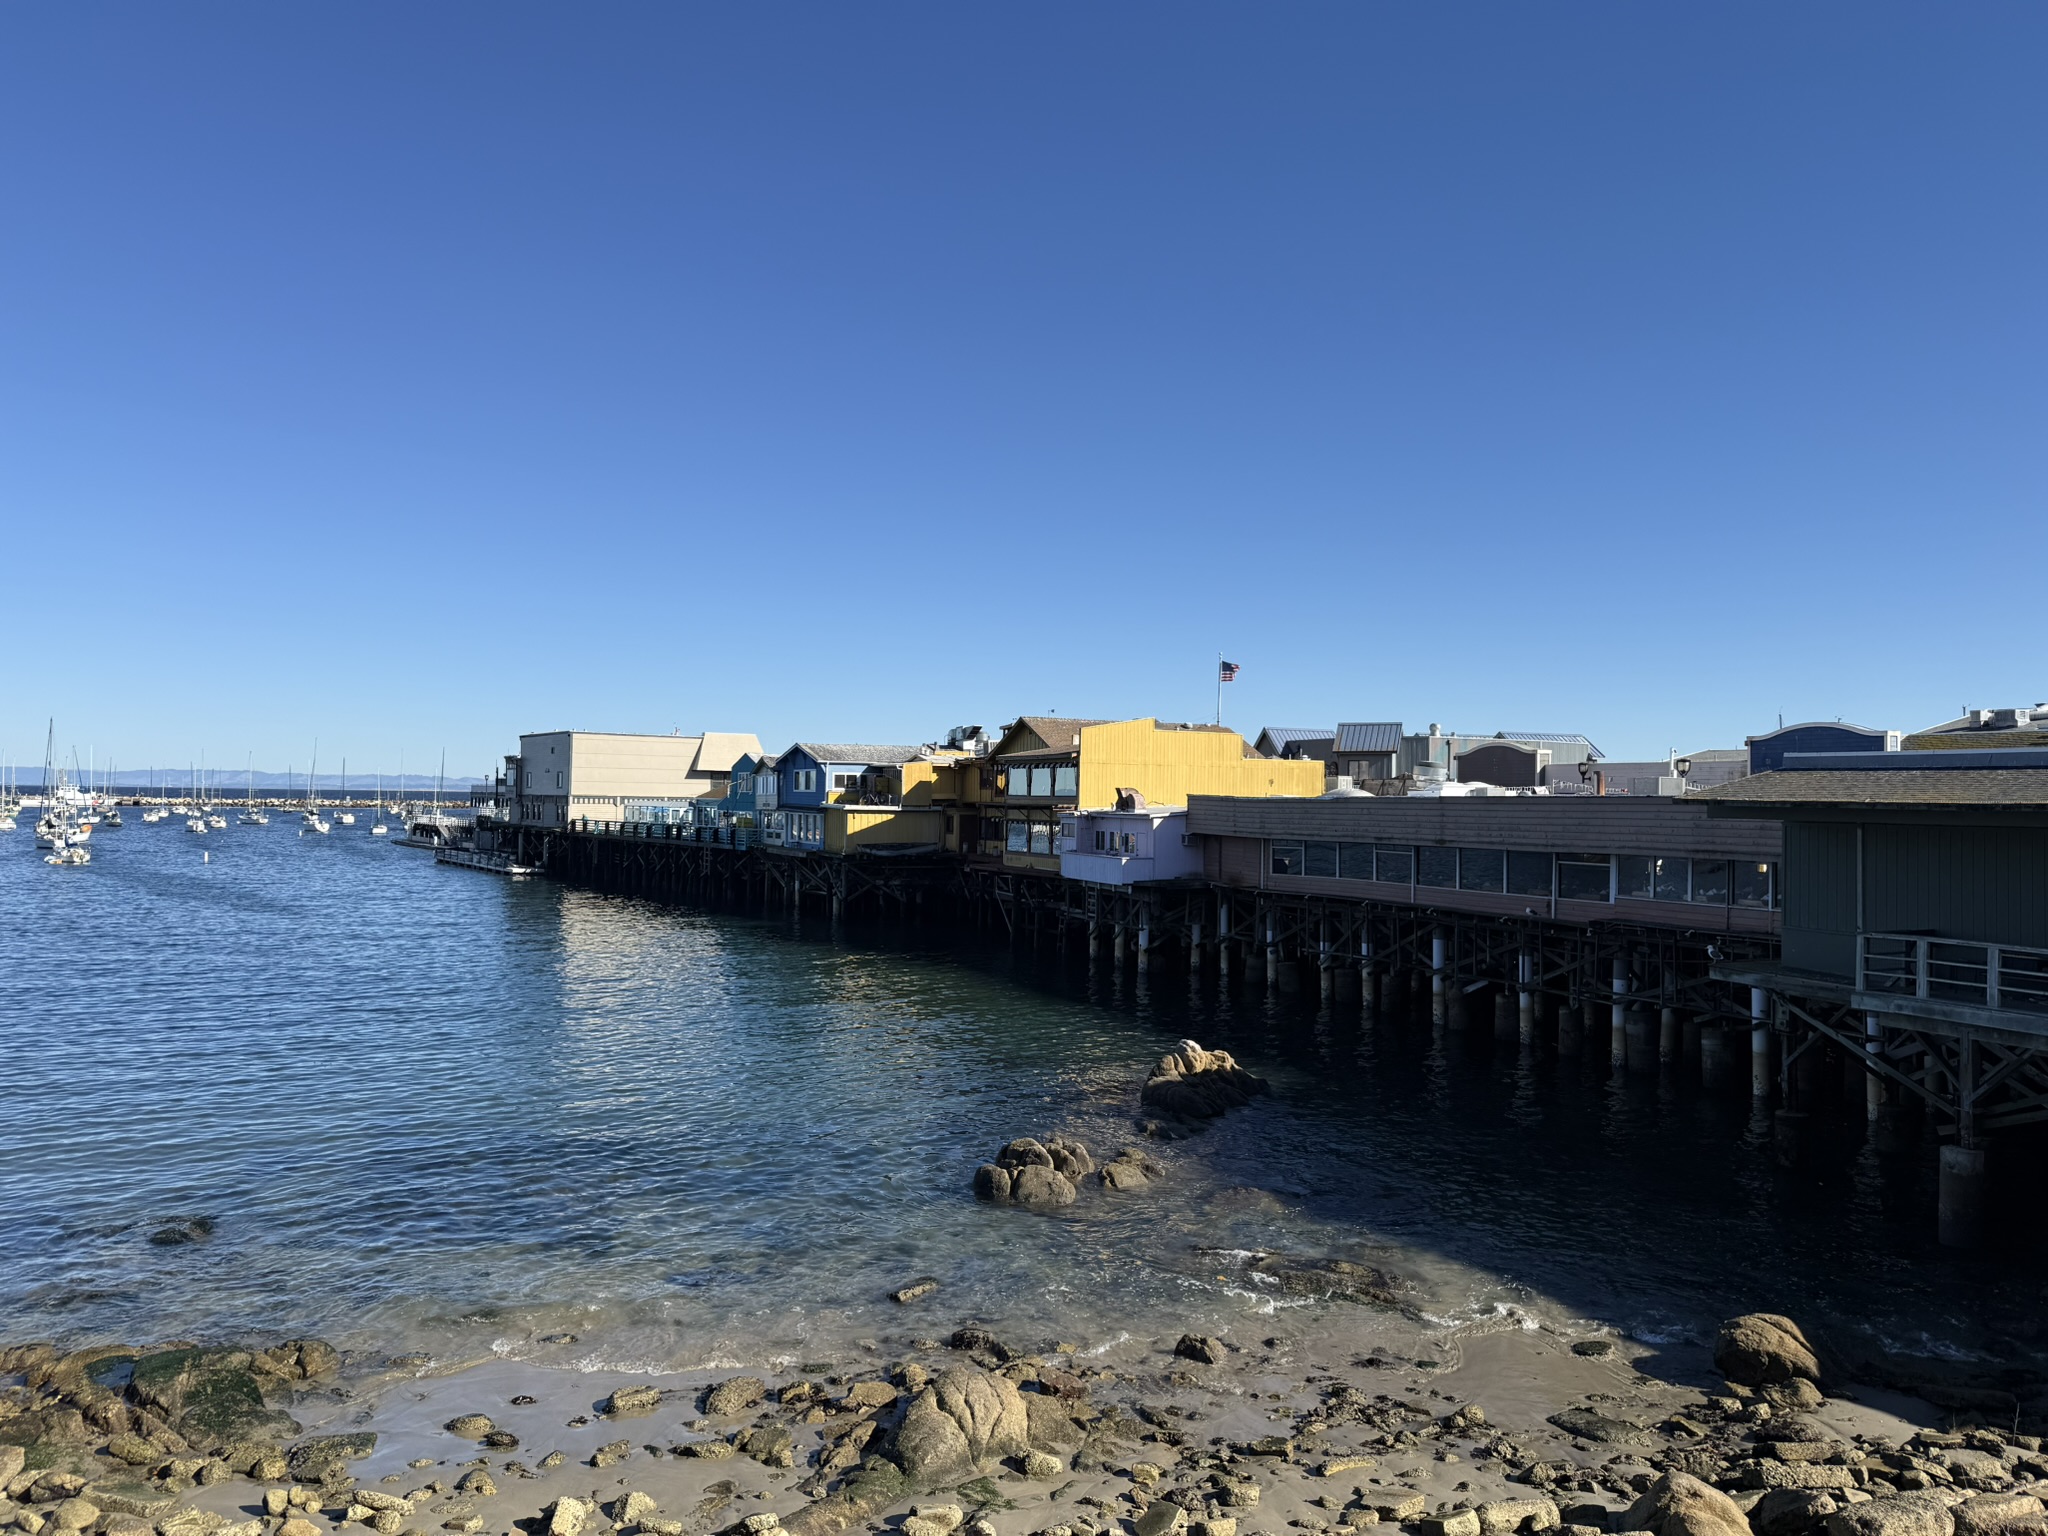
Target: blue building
<point>1767,752</point>
<point>811,775</point>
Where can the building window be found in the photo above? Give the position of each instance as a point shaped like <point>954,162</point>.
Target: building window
<point>1066,780</point>
<point>1710,882</point>
<point>846,781</point>
<point>1632,877</point>
<point>1528,874</point>
<point>1354,861</point>
<point>1584,877</point>
<point>1019,837</point>
<point>1041,782</point>
<point>1321,860</point>
<point>1671,879</point>
<point>1754,886</point>
<point>1481,869</point>
<point>1041,837</point>
<point>1287,859</point>
<point>1437,867</point>
<point>1393,865</point>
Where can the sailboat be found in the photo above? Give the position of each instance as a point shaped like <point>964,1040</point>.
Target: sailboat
<point>195,815</point>
<point>58,829</point>
<point>110,816</point>
<point>345,816</point>
<point>378,829</point>
<point>252,814</point>
<point>310,819</point>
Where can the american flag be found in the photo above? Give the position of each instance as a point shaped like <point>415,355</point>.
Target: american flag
<point>1226,671</point>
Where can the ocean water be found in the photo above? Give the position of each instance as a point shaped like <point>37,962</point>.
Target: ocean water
<point>404,1106</point>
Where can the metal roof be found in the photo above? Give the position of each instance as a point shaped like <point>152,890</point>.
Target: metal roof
<point>1369,736</point>
<point>2014,788</point>
<point>1284,736</point>
<point>1552,738</point>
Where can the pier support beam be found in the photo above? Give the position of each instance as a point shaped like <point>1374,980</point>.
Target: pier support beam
<point>1617,1049</point>
<point>1962,1197</point>
<point>1667,1037</point>
<point>1144,939</point>
<point>1873,1084</point>
<point>1526,1024</point>
<point>1759,1043</point>
<point>1713,1056</point>
<point>1437,978</point>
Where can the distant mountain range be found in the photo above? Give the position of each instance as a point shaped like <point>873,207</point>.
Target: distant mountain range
<point>228,781</point>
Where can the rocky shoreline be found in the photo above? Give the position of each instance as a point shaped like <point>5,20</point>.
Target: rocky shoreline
<point>1472,1433</point>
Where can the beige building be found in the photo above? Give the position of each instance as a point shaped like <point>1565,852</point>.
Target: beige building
<point>564,775</point>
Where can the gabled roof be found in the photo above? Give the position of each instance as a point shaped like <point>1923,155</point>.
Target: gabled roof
<point>1274,740</point>
<point>1051,730</point>
<point>858,752</point>
<point>1369,736</point>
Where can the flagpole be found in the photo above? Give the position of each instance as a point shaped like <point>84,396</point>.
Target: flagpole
<point>1219,687</point>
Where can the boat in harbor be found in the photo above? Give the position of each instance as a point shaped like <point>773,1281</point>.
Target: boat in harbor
<point>69,854</point>
<point>310,819</point>
<point>253,814</point>
<point>345,816</point>
<point>377,827</point>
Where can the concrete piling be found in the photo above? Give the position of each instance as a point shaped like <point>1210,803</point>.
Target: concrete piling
<point>1961,1210</point>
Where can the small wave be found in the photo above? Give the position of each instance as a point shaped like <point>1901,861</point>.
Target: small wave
<point>1102,1349</point>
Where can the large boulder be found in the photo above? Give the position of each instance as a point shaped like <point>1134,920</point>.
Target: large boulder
<point>1024,1152</point>
<point>1907,1514</point>
<point>962,1421</point>
<point>1194,1084</point>
<point>1041,1188</point>
<point>1677,1504</point>
<point>2001,1514</point>
<point>210,1396</point>
<point>1760,1348</point>
<point>324,1456</point>
<point>1791,1511</point>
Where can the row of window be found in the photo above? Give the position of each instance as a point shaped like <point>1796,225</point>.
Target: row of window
<point>1566,876</point>
<point>1060,779</point>
<point>1125,843</point>
<point>1030,837</point>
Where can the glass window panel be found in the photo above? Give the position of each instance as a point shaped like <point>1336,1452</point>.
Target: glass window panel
<point>1710,882</point>
<point>1752,887</point>
<point>1632,876</point>
<point>1020,837</point>
<point>1437,866</point>
<point>1481,869</point>
<point>1041,781</point>
<point>1322,860</point>
<point>1670,878</point>
<point>1354,861</point>
<point>1287,859</point>
<point>1066,780</point>
<point>1529,874</point>
<point>1041,837</point>
<point>1394,865</point>
<point>1581,879</point>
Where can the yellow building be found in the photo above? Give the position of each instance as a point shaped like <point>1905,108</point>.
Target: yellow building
<point>852,828</point>
<point>1045,766</point>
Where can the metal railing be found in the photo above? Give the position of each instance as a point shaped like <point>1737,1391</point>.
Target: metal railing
<point>670,832</point>
<point>1953,971</point>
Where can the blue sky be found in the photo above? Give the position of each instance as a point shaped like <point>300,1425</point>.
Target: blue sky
<point>414,376</point>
